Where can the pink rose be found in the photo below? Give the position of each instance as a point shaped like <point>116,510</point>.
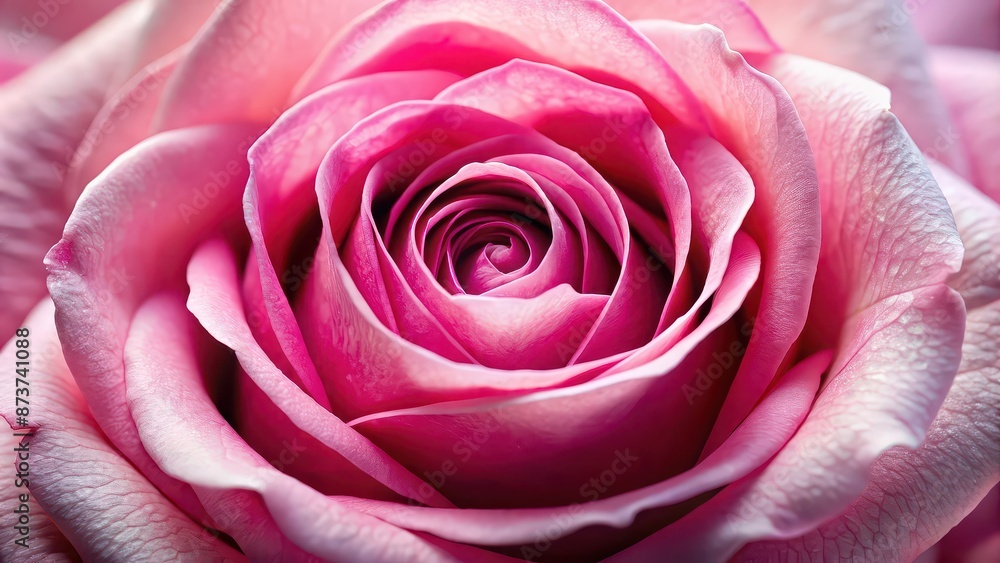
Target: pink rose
<point>496,279</point>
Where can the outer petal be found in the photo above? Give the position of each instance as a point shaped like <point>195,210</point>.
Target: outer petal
<point>244,64</point>
<point>903,328</point>
<point>869,36</point>
<point>744,31</point>
<point>43,116</point>
<point>45,539</point>
<point>100,271</point>
<point>969,79</point>
<point>105,506</point>
<point>916,496</point>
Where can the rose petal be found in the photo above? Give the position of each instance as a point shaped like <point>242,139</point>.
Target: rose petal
<point>752,444</point>
<point>245,62</point>
<point>870,37</point>
<point>753,117</point>
<point>916,496</point>
<point>43,537</point>
<point>123,121</point>
<point>43,117</point>
<point>969,23</point>
<point>744,31</point>
<point>105,506</point>
<point>100,271</point>
<point>200,447</point>
<point>279,193</point>
<point>600,45</point>
<point>215,302</point>
<point>969,79</point>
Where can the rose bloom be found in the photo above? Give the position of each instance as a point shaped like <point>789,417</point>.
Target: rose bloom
<point>492,280</point>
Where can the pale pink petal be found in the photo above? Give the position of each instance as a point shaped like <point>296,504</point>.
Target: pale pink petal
<point>744,31</point>
<point>870,37</point>
<point>106,507</point>
<point>916,496</point>
<point>979,225</point>
<point>123,121</point>
<point>100,270</point>
<point>41,538</point>
<point>43,116</point>
<point>171,24</point>
<point>244,63</point>
<point>899,345</point>
<point>969,80</point>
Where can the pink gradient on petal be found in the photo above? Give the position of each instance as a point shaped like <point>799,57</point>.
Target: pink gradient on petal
<point>83,484</point>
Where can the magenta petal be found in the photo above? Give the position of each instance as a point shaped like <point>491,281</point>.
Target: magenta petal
<point>278,192</point>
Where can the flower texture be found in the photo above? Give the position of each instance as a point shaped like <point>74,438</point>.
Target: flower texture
<point>475,280</point>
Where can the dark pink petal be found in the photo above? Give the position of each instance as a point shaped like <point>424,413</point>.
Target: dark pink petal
<point>976,539</point>
<point>37,21</point>
<point>43,116</point>
<point>106,507</point>
<point>873,38</point>
<point>969,80</point>
<point>763,433</point>
<point>279,193</point>
<point>633,156</point>
<point>916,496</point>
<point>100,271</point>
<point>595,419</point>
